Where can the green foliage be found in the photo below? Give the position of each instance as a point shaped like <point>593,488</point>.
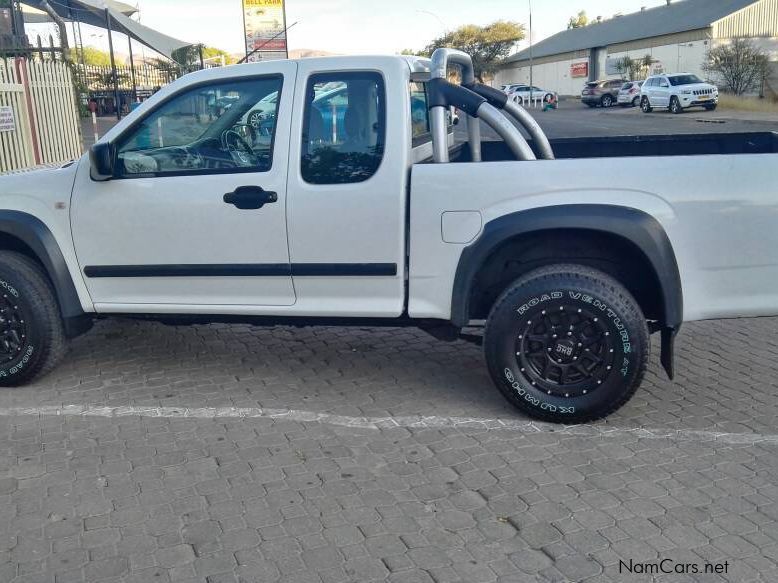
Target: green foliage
<point>92,56</point>
<point>740,66</point>
<point>634,69</point>
<point>487,45</point>
<point>212,52</point>
<point>578,21</point>
<point>189,56</point>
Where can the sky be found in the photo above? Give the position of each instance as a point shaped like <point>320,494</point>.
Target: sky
<point>363,26</point>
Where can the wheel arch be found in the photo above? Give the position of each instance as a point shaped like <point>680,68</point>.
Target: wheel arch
<point>28,235</point>
<point>642,231</point>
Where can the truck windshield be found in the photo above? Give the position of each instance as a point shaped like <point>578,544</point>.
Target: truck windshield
<point>685,80</point>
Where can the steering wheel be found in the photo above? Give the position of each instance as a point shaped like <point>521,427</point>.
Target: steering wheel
<point>238,148</point>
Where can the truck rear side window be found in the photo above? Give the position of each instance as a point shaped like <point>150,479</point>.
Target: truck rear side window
<point>344,127</point>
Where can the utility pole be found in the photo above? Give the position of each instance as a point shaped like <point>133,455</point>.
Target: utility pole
<point>113,66</point>
<point>531,83</point>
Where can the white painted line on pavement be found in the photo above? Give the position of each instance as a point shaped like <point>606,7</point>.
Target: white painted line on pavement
<point>377,423</point>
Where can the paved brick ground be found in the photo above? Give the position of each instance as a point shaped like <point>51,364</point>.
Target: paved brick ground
<point>227,453</point>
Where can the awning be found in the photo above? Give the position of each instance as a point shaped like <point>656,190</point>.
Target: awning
<point>35,16</point>
<point>93,12</point>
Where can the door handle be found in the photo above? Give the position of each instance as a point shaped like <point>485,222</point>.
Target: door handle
<point>250,197</point>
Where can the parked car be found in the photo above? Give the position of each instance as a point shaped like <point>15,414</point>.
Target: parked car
<point>629,94</point>
<point>353,220</point>
<point>601,93</point>
<point>522,94</point>
<point>678,92</point>
<point>510,87</point>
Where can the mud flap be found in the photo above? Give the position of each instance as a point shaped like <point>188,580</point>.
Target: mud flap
<point>668,348</point>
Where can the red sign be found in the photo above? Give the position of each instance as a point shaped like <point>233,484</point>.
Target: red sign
<point>579,69</point>
<point>277,44</point>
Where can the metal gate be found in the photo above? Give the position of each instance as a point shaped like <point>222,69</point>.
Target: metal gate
<point>39,122</point>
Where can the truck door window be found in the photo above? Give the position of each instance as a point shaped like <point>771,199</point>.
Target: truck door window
<point>344,127</point>
<point>420,119</point>
<point>226,126</point>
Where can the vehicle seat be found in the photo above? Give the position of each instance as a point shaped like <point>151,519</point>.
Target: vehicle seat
<point>315,136</point>
<point>357,132</point>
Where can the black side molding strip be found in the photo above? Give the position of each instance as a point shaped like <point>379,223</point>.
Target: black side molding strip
<point>246,270</point>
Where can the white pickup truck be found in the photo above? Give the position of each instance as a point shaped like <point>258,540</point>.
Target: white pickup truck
<point>346,200</point>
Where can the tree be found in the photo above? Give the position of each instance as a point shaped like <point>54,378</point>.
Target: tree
<point>92,56</point>
<point>740,65</point>
<point>212,52</point>
<point>578,21</point>
<point>487,45</point>
<point>634,69</point>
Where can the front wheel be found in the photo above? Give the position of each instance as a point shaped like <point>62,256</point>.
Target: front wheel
<point>711,107</point>
<point>32,339</point>
<point>675,105</point>
<point>645,105</point>
<point>567,344</point>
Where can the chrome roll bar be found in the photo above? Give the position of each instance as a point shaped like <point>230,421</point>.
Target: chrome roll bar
<point>439,70</point>
<point>496,115</point>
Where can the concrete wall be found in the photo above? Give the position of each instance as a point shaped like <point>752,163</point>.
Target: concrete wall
<point>685,57</point>
<point>554,76</point>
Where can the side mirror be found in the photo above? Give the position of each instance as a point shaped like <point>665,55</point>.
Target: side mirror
<point>101,161</point>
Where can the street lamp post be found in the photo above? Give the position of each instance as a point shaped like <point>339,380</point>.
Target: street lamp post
<point>531,84</point>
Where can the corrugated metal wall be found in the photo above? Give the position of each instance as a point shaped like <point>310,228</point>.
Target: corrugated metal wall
<point>760,19</point>
<point>659,41</point>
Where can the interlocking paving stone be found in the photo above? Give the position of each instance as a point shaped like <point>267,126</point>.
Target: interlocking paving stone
<point>230,453</point>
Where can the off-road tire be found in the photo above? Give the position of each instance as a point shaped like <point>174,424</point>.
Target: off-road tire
<point>675,105</point>
<point>645,105</point>
<point>604,355</point>
<point>32,338</point>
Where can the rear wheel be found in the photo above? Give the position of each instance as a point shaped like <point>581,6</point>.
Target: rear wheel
<point>675,105</point>
<point>32,339</point>
<point>636,102</point>
<point>607,100</point>
<point>567,344</point>
<point>645,105</point>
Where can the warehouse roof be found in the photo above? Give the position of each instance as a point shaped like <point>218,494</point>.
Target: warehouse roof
<point>680,16</point>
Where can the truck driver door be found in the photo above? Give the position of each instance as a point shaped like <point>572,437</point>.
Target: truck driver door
<point>195,214</point>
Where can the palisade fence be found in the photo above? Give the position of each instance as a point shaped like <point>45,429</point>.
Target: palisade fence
<point>39,121</point>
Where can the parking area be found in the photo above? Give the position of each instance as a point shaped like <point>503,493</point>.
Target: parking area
<point>575,120</point>
<point>230,453</point>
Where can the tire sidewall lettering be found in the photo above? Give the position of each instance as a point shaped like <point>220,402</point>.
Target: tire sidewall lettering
<point>621,362</point>
<point>21,363</point>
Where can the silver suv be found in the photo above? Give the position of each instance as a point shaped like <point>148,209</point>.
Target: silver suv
<point>678,92</point>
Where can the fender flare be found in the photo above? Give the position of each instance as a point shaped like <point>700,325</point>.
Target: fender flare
<point>641,229</point>
<point>36,235</point>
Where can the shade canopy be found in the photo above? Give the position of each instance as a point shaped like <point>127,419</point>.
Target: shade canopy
<point>93,12</point>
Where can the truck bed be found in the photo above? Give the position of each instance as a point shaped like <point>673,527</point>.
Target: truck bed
<point>632,146</point>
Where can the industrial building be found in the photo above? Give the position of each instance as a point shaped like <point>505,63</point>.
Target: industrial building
<point>677,36</point>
